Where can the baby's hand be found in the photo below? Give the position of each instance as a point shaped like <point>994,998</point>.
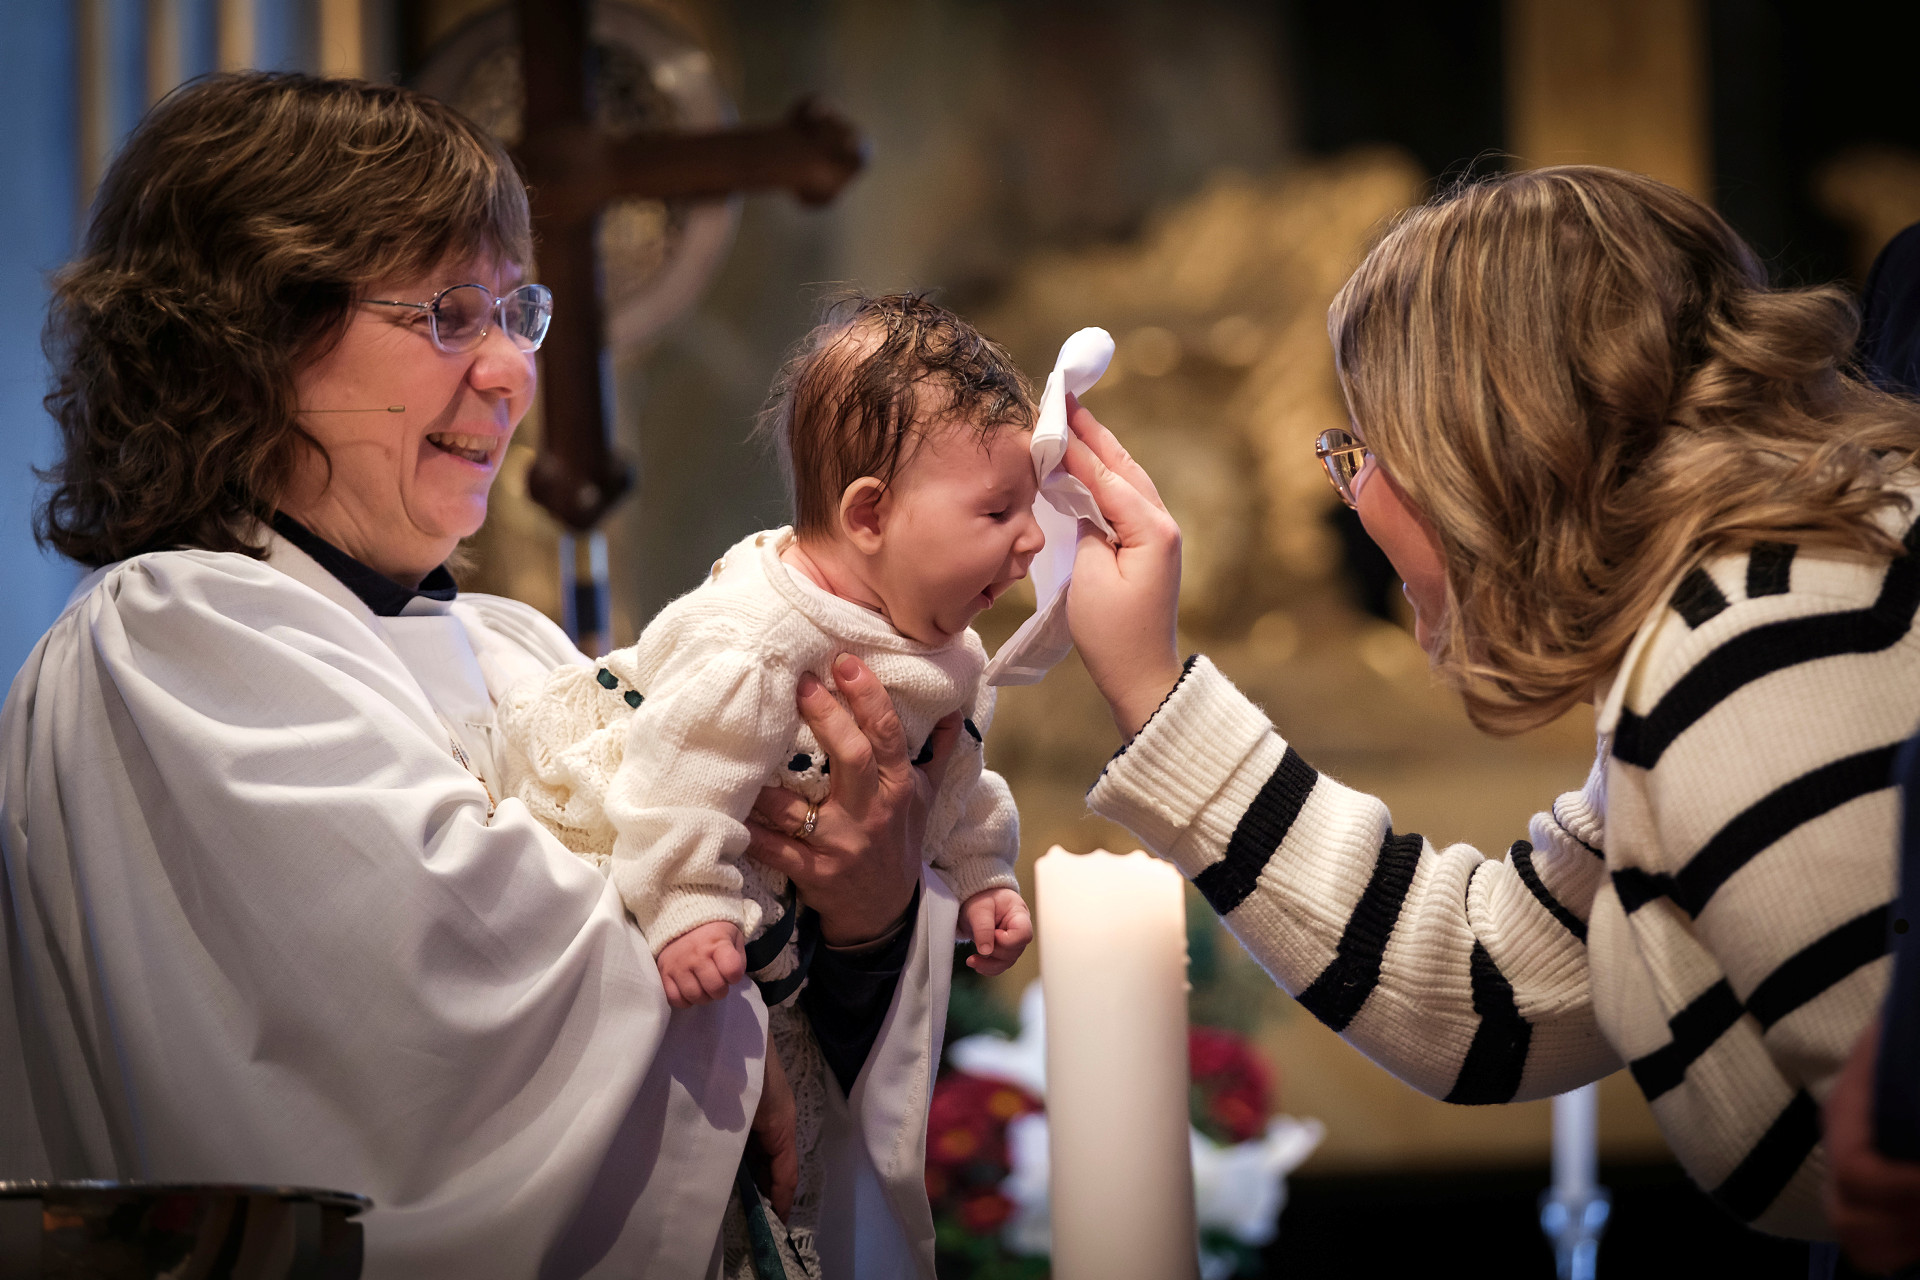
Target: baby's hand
<point>698,966</point>
<point>1000,926</point>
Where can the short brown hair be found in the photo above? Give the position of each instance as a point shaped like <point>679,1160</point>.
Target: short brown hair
<point>1583,380</point>
<point>227,245</point>
<point>861,391</point>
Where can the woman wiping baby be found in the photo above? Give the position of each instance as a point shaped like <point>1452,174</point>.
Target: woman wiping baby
<point>905,437</point>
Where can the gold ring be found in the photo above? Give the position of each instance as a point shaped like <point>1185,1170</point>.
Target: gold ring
<point>807,826</point>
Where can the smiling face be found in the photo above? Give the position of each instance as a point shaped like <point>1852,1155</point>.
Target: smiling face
<point>955,530</point>
<point>404,488</point>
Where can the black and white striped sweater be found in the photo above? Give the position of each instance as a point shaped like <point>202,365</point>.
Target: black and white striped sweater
<point>1710,909</point>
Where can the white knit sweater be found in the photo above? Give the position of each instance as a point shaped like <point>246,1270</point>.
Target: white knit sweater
<point>648,763</point>
<point>1711,909</point>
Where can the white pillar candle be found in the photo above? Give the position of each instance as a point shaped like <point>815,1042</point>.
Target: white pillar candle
<point>1576,1151</point>
<point>1113,964</point>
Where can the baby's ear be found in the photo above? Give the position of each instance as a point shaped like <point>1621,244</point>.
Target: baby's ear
<point>863,514</point>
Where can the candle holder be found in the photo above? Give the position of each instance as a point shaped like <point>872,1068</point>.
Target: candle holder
<point>1573,1211</point>
<point>1575,1225</point>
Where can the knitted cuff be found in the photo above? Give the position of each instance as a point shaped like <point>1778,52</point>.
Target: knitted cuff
<point>1181,759</point>
<point>682,909</point>
<point>977,875</point>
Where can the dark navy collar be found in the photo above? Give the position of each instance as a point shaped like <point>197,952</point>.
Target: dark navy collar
<point>387,598</point>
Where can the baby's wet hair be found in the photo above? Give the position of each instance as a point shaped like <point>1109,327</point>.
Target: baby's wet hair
<point>871,381</point>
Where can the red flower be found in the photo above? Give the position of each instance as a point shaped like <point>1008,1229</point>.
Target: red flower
<point>985,1212</point>
<point>1232,1087</point>
<point>1006,1102</point>
<point>1237,1117</point>
<point>1212,1052</point>
<point>967,1118</point>
<point>967,1148</point>
<point>953,1146</point>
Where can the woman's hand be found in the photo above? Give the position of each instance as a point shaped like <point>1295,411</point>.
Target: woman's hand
<point>774,1155</point>
<point>859,866</point>
<point>1873,1203</point>
<point>1122,604</point>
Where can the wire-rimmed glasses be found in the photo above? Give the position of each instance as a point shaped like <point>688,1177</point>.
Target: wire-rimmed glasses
<point>459,317</point>
<point>1342,454</point>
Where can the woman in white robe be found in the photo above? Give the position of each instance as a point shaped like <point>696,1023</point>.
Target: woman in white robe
<point>262,918</point>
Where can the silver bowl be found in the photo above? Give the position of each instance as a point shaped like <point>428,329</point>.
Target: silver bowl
<point>177,1231</point>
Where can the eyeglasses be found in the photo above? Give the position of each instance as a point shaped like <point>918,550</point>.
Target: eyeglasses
<point>1343,456</point>
<point>458,318</point>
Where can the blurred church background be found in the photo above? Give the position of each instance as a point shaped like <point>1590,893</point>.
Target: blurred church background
<point>1197,177</point>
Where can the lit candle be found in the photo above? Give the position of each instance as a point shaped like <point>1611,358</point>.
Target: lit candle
<point>1113,964</point>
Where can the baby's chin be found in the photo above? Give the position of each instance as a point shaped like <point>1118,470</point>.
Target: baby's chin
<point>942,629</point>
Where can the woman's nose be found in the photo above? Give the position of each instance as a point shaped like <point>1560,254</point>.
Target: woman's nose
<point>501,368</point>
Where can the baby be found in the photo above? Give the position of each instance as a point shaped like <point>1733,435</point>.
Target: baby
<point>905,435</point>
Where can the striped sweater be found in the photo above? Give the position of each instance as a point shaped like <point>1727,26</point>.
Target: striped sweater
<point>1710,909</point>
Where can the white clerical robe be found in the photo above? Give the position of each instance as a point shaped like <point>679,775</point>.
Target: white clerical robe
<point>261,926</point>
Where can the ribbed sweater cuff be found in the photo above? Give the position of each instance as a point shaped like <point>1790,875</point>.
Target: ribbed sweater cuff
<point>684,909</point>
<point>977,875</point>
<point>1180,762</point>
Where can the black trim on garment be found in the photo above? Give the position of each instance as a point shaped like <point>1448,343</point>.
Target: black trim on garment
<point>1758,827</point>
<point>1257,836</point>
<point>385,597</point>
<point>848,997</point>
<point>1698,598</point>
<point>1521,857</point>
<point>1497,1058</point>
<point>765,949</point>
<point>1694,1030</point>
<point>1185,668</point>
<point>1770,569</point>
<point>775,990</point>
<point>1758,1180</point>
<point>1751,655</point>
<point>1562,824</point>
<point>1338,994</point>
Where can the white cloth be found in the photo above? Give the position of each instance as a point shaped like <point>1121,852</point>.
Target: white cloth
<point>259,926</point>
<point>649,764</point>
<point>1060,505</point>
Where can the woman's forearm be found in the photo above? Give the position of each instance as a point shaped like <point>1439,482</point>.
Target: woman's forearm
<point>1423,958</point>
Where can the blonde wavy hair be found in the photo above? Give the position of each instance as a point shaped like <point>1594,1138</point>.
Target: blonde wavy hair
<point>1583,382</point>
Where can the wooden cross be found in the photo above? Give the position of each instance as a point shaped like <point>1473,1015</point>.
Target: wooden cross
<point>575,171</point>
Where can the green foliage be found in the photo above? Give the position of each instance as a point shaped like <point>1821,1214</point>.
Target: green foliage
<point>961,1255</point>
